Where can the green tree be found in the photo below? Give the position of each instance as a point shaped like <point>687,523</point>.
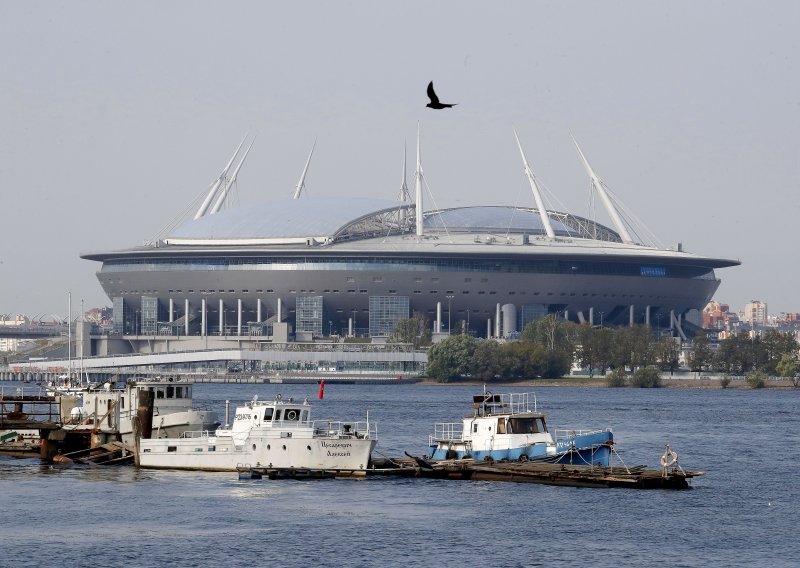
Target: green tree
<point>756,380</point>
<point>646,377</point>
<point>789,367</point>
<point>667,354</point>
<point>486,360</point>
<point>701,355</point>
<point>775,345</point>
<point>451,358</point>
<point>633,347</point>
<point>617,378</point>
<point>415,330</point>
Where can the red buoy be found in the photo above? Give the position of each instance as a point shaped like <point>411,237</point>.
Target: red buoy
<point>321,392</point>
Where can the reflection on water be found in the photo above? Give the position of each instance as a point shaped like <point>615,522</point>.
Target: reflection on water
<point>742,512</point>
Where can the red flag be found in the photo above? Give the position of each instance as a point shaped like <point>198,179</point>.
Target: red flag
<point>321,393</point>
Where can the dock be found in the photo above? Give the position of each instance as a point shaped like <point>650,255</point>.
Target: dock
<point>638,477</point>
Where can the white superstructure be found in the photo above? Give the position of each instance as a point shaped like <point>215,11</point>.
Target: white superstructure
<point>276,434</point>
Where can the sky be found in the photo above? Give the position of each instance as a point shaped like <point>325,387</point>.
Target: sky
<point>116,116</point>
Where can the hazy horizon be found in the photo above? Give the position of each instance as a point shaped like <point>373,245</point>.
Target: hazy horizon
<point>115,117</point>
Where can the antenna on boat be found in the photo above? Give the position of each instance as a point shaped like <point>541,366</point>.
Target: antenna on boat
<point>302,183</point>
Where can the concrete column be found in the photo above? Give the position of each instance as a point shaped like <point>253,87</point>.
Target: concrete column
<point>239,316</point>
<point>591,316</point>
<point>566,315</point>
<point>221,317</point>
<point>438,317</point>
<point>258,310</point>
<point>349,327</point>
<point>489,328</point>
<point>671,320</point>
<point>171,310</point>
<point>280,310</point>
<point>631,316</point>
<point>647,316</point>
<point>186,316</point>
<point>497,321</point>
<point>203,319</point>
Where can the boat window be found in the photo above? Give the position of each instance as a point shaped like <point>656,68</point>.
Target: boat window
<point>170,392</point>
<point>178,392</point>
<point>304,416</point>
<point>501,425</point>
<point>160,392</point>
<point>475,427</point>
<point>268,414</point>
<point>278,414</point>
<point>292,414</point>
<point>542,425</point>
<point>523,426</point>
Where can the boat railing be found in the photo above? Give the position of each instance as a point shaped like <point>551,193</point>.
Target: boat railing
<point>514,402</point>
<point>196,434</point>
<point>447,432</point>
<point>563,434</point>
<point>341,429</point>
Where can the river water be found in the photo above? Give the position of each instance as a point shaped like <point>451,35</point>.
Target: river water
<point>744,512</point>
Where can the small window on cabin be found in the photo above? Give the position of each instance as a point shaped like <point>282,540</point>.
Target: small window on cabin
<point>172,448</point>
<point>542,425</point>
<point>178,392</point>
<point>159,393</point>
<point>268,414</point>
<point>475,427</point>
<point>501,425</point>
<point>291,415</point>
<point>170,392</point>
<point>304,416</point>
<point>278,414</point>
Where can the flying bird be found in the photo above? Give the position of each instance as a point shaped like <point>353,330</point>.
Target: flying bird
<point>435,104</point>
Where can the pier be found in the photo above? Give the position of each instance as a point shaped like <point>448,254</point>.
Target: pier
<point>638,477</point>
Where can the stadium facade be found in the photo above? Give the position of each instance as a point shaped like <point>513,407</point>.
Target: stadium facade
<point>304,268</point>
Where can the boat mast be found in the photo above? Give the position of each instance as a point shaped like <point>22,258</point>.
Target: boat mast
<point>224,194</point>
<point>612,211</point>
<point>537,196</point>
<point>215,186</point>
<point>69,336</point>
<point>418,190</point>
<point>302,183</point>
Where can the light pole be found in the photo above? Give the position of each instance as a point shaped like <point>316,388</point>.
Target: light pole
<point>601,320</point>
<point>449,297</point>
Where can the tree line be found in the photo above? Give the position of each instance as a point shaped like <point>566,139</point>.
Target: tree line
<point>548,347</point>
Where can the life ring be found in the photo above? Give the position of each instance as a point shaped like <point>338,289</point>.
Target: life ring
<point>669,458</point>
<point>291,415</point>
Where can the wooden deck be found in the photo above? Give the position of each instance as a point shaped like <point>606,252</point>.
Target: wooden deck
<point>638,477</point>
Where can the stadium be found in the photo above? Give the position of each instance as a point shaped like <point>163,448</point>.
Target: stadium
<point>304,268</point>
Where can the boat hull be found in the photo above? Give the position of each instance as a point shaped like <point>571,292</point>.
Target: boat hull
<point>270,449</point>
<point>587,449</point>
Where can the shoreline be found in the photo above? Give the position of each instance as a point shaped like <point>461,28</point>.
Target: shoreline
<point>600,382</point>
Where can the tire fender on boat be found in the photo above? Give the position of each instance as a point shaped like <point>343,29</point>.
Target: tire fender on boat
<point>669,458</point>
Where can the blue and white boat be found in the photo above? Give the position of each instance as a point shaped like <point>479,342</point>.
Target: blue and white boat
<point>510,427</point>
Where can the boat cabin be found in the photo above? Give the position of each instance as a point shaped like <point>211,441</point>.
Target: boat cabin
<point>274,413</point>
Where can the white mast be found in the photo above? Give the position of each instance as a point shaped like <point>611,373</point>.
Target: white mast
<point>83,340</point>
<point>215,187</point>
<point>418,190</point>
<point>69,338</point>
<point>231,181</point>
<point>537,196</point>
<point>302,183</point>
<point>612,211</point>
<point>405,195</point>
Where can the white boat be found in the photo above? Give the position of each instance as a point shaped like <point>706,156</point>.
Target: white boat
<point>510,427</point>
<point>110,410</point>
<point>277,434</point>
